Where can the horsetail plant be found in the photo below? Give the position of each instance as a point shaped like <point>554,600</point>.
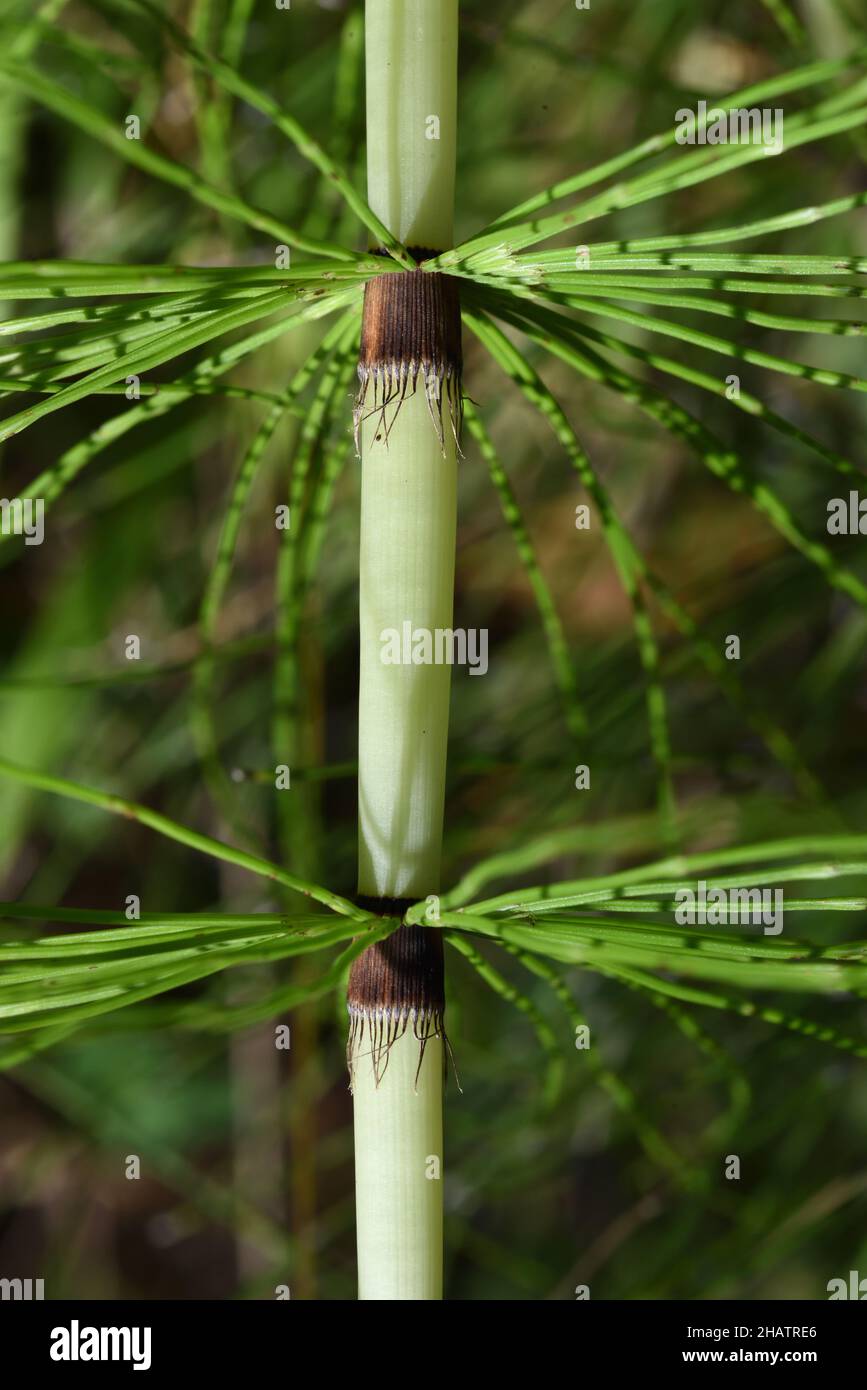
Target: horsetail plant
<point>401,306</point>
<point>409,369</point>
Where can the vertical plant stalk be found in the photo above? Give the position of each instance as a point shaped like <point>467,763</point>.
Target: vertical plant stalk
<point>407,422</point>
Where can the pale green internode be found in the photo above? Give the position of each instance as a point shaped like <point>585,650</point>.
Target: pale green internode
<point>398,1171</point>
<point>408,519</point>
<point>411,57</point>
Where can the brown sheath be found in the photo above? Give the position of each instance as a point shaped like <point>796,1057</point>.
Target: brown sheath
<point>395,985</point>
<point>411,329</point>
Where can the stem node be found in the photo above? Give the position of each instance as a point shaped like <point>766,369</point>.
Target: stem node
<point>411,328</point>
<point>395,986</point>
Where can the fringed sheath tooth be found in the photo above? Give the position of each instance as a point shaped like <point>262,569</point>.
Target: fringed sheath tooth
<point>395,987</point>
<point>411,328</point>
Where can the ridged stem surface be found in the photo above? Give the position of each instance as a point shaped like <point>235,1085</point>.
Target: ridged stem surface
<point>406,583</point>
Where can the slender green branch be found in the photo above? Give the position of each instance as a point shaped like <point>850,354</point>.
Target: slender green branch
<point>53,481</point>
<point>158,348</point>
<point>745,1008</point>
<point>561,662</point>
<point>655,1145</point>
<point>110,132</point>
<point>309,148</point>
<point>623,553</point>
<point>758,93</point>
<point>686,867</point>
<point>553,1049</point>
<point>173,830</point>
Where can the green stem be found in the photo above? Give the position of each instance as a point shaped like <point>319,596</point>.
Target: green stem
<point>411,49</point>
<point>406,577</point>
<point>407,557</point>
<point>398,1162</point>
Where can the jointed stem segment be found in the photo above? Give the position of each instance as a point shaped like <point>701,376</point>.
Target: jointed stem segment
<point>410,338</point>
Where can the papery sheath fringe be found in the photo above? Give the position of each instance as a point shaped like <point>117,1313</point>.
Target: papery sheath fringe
<point>411,329</point>
<point>395,985</point>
